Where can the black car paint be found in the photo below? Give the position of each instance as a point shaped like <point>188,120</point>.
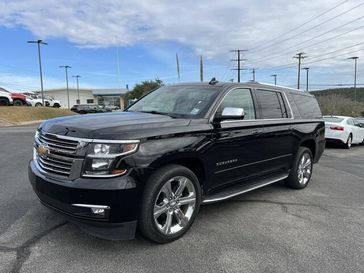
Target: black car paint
<point>221,154</point>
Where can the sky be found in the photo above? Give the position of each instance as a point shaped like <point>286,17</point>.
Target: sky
<point>114,43</point>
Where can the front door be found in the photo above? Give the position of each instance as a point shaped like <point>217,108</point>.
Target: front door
<point>237,148</point>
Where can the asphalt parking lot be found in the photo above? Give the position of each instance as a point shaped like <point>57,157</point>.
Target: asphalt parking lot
<point>273,229</point>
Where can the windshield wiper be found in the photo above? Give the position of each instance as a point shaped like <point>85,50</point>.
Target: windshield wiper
<point>159,113</point>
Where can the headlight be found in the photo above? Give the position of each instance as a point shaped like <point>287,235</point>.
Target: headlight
<point>103,159</point>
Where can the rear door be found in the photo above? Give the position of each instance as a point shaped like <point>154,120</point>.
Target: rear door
<point>280,144</point>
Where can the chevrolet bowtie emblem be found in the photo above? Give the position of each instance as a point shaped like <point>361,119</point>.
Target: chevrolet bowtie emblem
<point>43,150</point>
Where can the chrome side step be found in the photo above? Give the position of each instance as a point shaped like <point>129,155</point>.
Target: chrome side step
<point>242,188</point>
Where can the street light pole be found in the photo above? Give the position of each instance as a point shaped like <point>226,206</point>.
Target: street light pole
<point>68,91</point>
<point>306,68</point>
<point>78,89</point>
<point>355,67</point>
<point>39,42</point>
<point>275,78</point>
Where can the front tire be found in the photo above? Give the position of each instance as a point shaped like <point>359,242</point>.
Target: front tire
<point>38,104</point>
<point>301,170</point>
<point>170,203</point>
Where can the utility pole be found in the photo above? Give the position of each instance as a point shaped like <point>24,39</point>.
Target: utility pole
<point>300,56</point>
<point>275,78</point>
<point>306,68</point>
<point>78,89</point>
<point>177,63</point>
<point>68,91</point>
<point>201,69</point>
<point>40,42</point>
<point>253,72</point>
<point>239,60</point>
<point>355,68</point>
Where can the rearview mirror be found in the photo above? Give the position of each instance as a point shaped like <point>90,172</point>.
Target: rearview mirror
<point>232,113</point>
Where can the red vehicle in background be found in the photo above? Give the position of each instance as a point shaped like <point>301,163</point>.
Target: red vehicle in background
<point>19,99</point>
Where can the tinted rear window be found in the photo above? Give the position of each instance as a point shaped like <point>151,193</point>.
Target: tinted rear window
<point>271,104</point>
<point>333,119</point>
<point>307,106</point>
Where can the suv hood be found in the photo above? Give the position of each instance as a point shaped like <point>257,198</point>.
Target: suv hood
<point>114,125</point>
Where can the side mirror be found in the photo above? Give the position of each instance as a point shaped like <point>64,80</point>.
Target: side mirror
<point>232,113</point>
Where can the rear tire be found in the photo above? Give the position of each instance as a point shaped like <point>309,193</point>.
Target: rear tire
<point>170,203</point>
<point>4,102</point>
<point>301,171</point>
<point>349,142</point>
<point>38,104</point>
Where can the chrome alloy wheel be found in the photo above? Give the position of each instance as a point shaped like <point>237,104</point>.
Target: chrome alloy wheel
<point>174,205</point>
<point>304,169</point>
<point>350,141</point>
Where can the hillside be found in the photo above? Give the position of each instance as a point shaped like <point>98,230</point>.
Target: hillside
<point>345,92</point>
<point>340,101</point>
<point>13,115</point>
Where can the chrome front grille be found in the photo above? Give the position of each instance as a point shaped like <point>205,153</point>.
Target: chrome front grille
<point>55,154</point>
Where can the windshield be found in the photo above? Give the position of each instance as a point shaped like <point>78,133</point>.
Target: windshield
<point>180,101</point>
<point>333,119</point>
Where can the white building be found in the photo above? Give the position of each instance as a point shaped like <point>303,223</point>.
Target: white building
<point>89,96</point>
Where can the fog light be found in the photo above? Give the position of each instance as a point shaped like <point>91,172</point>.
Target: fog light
<point>98,211</point>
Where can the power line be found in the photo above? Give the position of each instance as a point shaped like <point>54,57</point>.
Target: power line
<point>299,26</point>
<point>308,40</point>
<point>335,57</point>
<point>311,45</point>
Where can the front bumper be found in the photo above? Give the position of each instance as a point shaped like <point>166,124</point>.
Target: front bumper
<point>118,222</point>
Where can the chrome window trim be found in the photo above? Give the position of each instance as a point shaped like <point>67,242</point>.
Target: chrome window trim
<point>247,120</point>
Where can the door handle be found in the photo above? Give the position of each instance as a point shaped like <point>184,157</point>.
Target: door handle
<point>256,132</point>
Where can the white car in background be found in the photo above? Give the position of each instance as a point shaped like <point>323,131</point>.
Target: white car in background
<point>343,130</point>
<point>52,102</point>
<point>5,98</point>
<point>33,99</point>
<point>36,100</point>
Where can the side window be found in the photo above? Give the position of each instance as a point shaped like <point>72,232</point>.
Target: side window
<point>271,104</point>
<point>350,121</point>
<point>307,106</point>
<point>239,98</point>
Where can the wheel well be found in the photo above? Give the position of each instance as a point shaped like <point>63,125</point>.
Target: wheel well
<point>195,165</point>
<point>5,98</point>
<point>311,145</point>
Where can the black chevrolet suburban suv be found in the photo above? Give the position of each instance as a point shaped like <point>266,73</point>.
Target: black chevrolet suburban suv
<point>180,146</point>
